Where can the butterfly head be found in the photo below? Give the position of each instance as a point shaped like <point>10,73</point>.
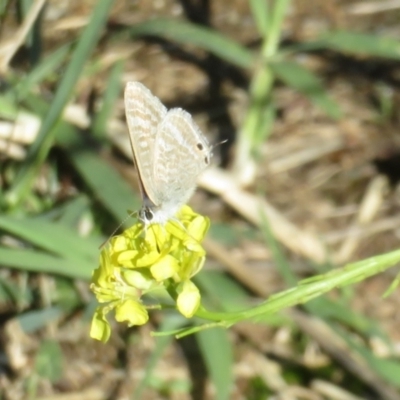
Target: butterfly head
<point>151,214</point>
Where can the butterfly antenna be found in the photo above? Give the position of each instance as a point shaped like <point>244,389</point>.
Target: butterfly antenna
<point>219,143</point>
<point>130,215</point>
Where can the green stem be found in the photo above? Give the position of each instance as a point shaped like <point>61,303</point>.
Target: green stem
<point>308,289</point>
<point>262,82</point>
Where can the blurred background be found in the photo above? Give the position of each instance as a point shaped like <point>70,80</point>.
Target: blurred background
<point>300,99</point>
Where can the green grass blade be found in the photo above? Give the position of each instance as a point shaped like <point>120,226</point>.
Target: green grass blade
<point>71,212</point>
<point>260,115</point>
<point>205,38</point>
<point>170,322</point>
<point>389,370</point>
<point>3,7</point>
<point>307,83</point>
<point>40,148</point>
<point>274,32</point>
<point>42,71</point>
<point>341,311</point>
<point>362,44</point>
<point>49,361</point>
<point>218,356</point>
<point>52,237</point>
<point>35,261</point>
<point>281,262</point>
<point>221,291</point>
<point>113,91</point>
<point>8,108</point>
<point>311,288</point>
<point>11,291</point>
<point>322,307</point>
<point>260,12</point>
<point>109,187</point>
<point>32,321</point>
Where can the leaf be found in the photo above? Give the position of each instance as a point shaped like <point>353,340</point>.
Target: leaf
<point>220,289</point>
<point>281,262</point>
<point>71,212</point>
<point>32,321</point>
<point>53,237</point>
<point>109,187</point>
<point>261,14</point>
<point>307,83</point>
<point>42,71</point>
<point>36,261</point>
<point>205,38</point>
<point>216,350</point>
<point>170,322</point>
<point>8,108</point>
<point>362,44</point>
<point>49,360</point>
<point>389,370</point>
<point>12,292</point>
<point>225,234</point>
<point>329,310</point>
<point>40,148</point>
<point>111,94</point>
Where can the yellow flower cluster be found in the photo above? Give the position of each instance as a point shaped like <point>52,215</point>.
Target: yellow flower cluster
<point>142,259</point>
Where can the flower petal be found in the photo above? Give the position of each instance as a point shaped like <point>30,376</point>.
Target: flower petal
<point>139,278</point>
<point>188,298</point>
<point>100,328</point>
<point>132,312</point>
<point>165,268</point>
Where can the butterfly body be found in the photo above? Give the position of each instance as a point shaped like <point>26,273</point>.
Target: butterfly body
<point>169,151</point>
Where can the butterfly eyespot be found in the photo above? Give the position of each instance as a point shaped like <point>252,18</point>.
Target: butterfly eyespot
<point>200,146</point>
<point>207,160</point>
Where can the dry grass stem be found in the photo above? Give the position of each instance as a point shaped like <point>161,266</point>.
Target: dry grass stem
<point>251,206</point>
<point>372,7</point>
<point>339,350</point>
<point>10,47</point>
<point>331,391</point>
<point>369,208</point>
<point>305,155</point>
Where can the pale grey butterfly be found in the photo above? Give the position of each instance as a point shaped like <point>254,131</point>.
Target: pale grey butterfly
<point>169,151</point>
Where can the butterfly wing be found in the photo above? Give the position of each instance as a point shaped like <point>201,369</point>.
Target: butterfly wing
<point>144,112</point>
<point>181,153</point>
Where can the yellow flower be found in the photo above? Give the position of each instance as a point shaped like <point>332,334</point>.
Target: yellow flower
<point>143,259</point>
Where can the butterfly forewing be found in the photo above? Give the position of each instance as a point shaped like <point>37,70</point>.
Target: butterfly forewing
<point>181,152</point>
<point>144,113</point>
